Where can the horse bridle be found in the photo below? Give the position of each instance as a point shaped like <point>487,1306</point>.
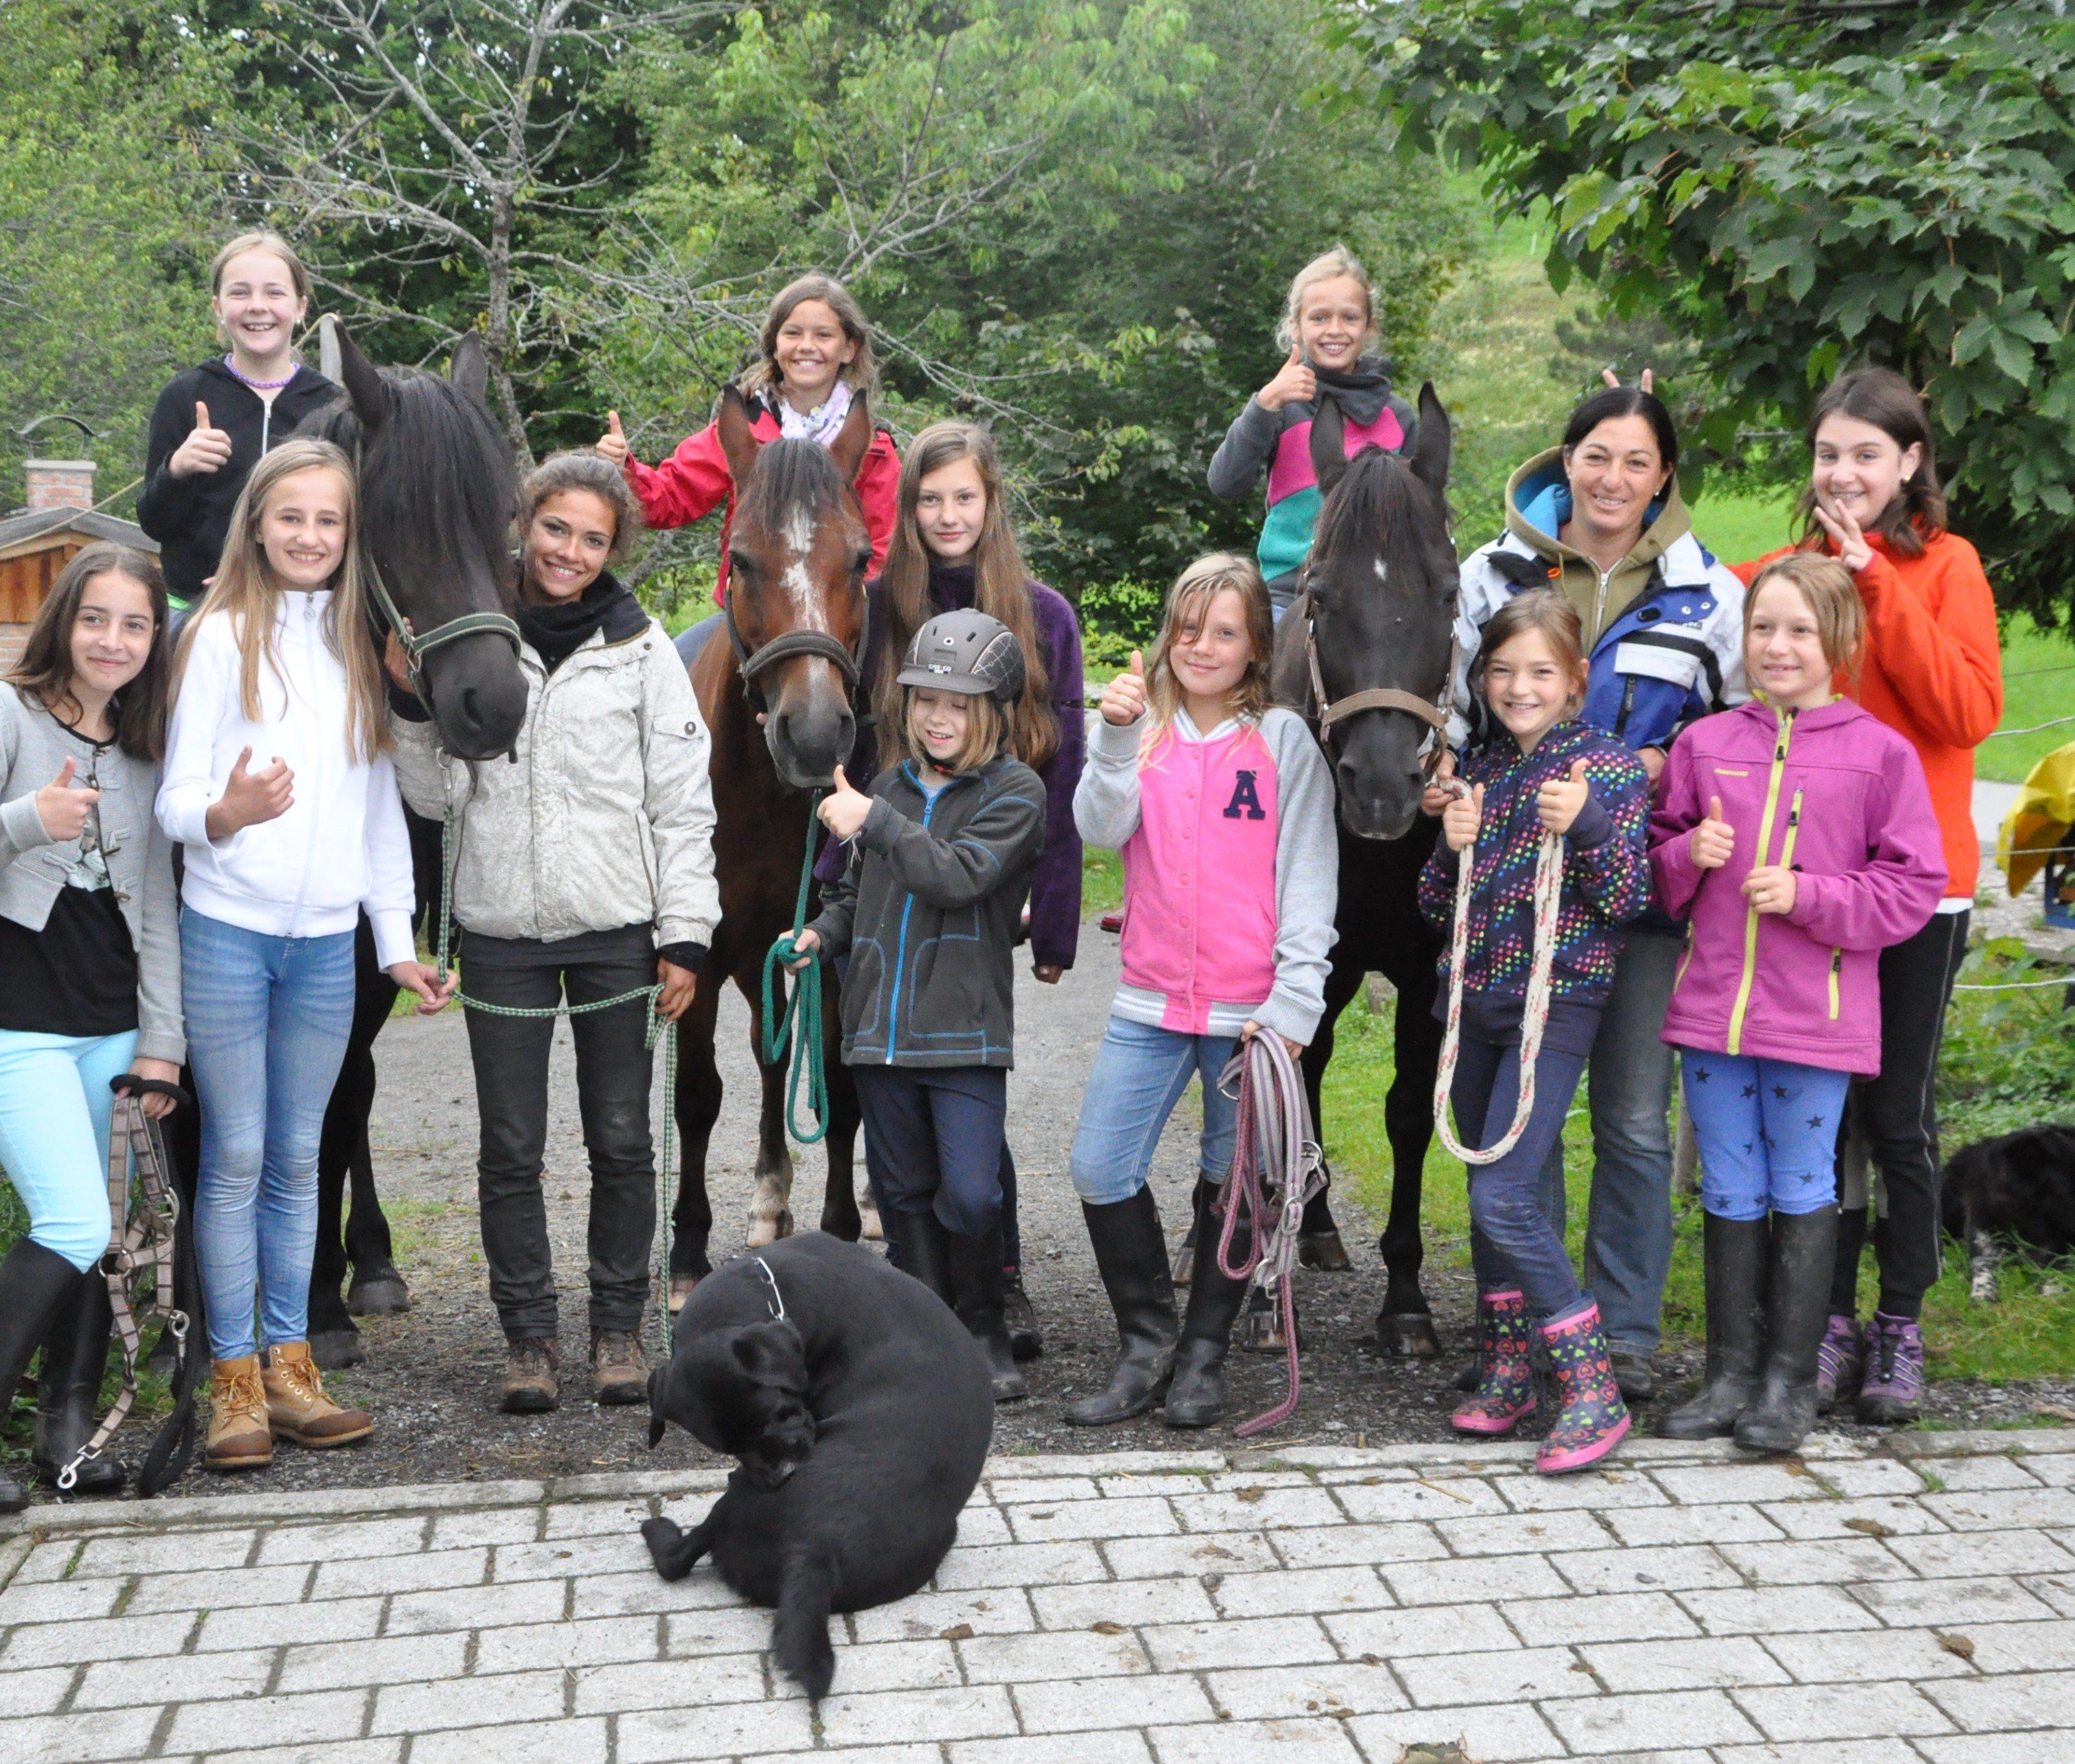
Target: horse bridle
<point>416,647</point>
<point>1336,711</point>
<point>751,663</point>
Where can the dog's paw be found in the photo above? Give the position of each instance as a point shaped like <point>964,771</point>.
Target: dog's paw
<point>666,1548</point>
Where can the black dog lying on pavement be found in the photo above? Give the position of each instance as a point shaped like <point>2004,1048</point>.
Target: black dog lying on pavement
<point>861,1409</point>
<point>2021,1185</point>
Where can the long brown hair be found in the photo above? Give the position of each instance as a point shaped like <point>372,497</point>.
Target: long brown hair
<point>1001,587</point>
<point>862,371</point>
<point>1188,602</point>
<point>138,710</point>
<point>1881,396</point>
<point>244,592</point>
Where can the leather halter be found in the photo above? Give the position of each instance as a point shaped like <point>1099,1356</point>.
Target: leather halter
<point>750,663</point>
<point>1330,712</point>
<point>415,647</point>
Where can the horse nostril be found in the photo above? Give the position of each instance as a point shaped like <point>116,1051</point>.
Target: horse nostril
<point>469,708</point>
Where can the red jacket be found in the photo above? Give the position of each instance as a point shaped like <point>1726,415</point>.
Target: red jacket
<point>1933,672</point>
<point>694,482</point>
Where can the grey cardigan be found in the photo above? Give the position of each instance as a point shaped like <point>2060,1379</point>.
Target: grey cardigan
<point>34,746</point>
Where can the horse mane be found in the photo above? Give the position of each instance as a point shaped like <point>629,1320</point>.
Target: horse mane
<point>457,495</point>
<point>790,474</point>
<point>1378,502</point>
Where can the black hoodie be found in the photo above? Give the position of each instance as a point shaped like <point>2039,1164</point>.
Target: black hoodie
<point>190,517</point>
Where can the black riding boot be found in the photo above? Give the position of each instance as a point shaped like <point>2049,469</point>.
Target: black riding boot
<point>975,1264</point>
<point>1734,1254</point>
<point>35,1282</point>
<point>68,1388</point>
<point>1196,1395</point>
<point>1131,1254</point>
<point>1797,1304</point>
<point>919,1241</point>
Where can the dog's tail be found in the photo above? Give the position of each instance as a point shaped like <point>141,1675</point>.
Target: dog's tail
<point>800,1636</point>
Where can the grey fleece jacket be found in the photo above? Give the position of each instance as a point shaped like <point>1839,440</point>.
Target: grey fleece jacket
<point>34,746</point>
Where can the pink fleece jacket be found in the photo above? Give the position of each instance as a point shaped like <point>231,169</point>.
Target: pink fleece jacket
<point>1838,797</point>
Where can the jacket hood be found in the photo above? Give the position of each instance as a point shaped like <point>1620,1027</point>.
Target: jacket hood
<point>1537,502</point>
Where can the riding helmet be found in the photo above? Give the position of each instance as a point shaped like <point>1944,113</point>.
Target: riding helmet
<point>967,651</point>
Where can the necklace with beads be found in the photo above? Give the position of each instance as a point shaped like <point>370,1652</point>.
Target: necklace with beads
<point>230,365</point>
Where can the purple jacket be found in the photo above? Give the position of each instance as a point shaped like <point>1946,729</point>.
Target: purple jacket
<point>1055,888</point>
<point>1839,798</point>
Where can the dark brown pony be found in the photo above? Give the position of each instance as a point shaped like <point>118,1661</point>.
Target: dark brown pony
<point>781,699</point>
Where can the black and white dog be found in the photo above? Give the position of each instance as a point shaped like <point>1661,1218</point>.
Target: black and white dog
<point>2021,1185</point>
<point>861,1410</point>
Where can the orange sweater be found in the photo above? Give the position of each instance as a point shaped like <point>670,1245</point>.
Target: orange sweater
<point>1933,671</point>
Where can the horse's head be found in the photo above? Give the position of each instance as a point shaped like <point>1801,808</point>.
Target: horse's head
<point>798,553</point>
<point>437,490</point>
<point>1382,578</point>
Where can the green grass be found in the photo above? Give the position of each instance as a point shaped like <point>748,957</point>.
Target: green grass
<point>2038,685</point>
<point>2009,1060</point>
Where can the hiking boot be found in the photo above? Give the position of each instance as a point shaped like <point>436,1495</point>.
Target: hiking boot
<point>1591,1418</point>
<point>238,1436</point>
<point>618,1367</point>
<point>1892,1393</point>
<point>532,1369</point>
<point>1635,1372</point>
<point>1734,1252</point>
<point>68,1391</point>
<point>1840,1362</point>
<point>1797,1302</point>
<point>1131,1254</point>
<point>297,1408</point>
<point>1505,1384</point>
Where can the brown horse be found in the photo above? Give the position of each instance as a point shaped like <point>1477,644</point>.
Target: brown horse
<point>779,700</point>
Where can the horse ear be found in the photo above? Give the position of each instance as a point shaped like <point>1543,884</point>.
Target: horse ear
<point>1329,446</point>
<point>1433,443</point>
<point>853,441</point>
<point>469,370</point>
<point>364,390</point>
<point>738,434</point>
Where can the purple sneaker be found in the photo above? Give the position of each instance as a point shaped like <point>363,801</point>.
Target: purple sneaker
<point>1892,1392</point>
<point>1841,1362</point>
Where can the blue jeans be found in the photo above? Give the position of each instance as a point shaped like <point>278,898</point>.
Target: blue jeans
<point>1628,1230</point>
<point>932,1140</point>
<point>267,1021</point>
<point>1141,1072</point>
<point>1514,1241</point>
<point>1767,1133</point>
<point>55,1105</point>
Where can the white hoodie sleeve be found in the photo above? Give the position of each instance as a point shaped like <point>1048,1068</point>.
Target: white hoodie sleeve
<point>188,785</point>
<point>392,889</point>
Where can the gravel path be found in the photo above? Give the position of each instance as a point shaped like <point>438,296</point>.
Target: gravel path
<point>430,1376</point>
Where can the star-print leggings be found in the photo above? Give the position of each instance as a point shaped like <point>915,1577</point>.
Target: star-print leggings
<point>1768,1132</point>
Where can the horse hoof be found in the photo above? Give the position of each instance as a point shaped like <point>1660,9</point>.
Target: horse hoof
<point>1323,1251</point>
<point>764,1233</point>
<point>681,1287</point>
<point>335,1349</point>
<point>1261,1329</point>
<point>1407,1335</point>
<point>869,1230</point>
<point>382,1293</point>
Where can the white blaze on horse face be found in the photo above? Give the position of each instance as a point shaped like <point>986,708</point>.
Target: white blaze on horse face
<point>1382,571</point>
<point>798,533</point>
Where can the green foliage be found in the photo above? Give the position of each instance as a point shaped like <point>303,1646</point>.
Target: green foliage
<point>1797,190</point>
<point>2008,1059</point>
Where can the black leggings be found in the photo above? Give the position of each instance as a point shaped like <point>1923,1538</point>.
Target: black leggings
<point>1897,1116</point>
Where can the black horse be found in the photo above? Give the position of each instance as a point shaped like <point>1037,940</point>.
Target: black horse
<point>1366,653</point>
<point>438,492</point>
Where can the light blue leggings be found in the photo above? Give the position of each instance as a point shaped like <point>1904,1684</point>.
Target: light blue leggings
<point>1767,1131</point>
<point>55,1105</point>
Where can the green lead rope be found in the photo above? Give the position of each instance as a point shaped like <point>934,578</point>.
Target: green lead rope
<point>795,1035</point>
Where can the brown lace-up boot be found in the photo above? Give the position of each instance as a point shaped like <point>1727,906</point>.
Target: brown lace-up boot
<point>297,1408</point>
<point>532,1366</point>
<point>237,1435</point>
<point>618,1367</point>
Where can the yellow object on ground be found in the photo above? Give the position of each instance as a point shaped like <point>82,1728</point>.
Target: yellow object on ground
<point>2041,819</point>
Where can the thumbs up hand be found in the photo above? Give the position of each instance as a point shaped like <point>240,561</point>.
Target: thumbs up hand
<point>613,442</point>
<point>1560,800</point>
<point>1293,379</point>
<point>1124,698</point>
<point>844,810</point>
<point>1711,844</point>
<point>206,449</point>
<point>61,808</point>
<point>249,797</point>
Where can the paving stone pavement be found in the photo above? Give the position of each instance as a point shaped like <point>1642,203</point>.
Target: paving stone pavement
<point>1910,1605</point>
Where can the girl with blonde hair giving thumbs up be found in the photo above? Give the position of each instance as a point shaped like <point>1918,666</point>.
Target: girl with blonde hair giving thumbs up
<point>89,968</point>
<point>1798,833</point>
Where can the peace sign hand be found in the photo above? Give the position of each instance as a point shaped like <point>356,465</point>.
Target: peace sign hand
<point>62,810</point>
<point>1853,552</point>
<point>1293,379</point>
